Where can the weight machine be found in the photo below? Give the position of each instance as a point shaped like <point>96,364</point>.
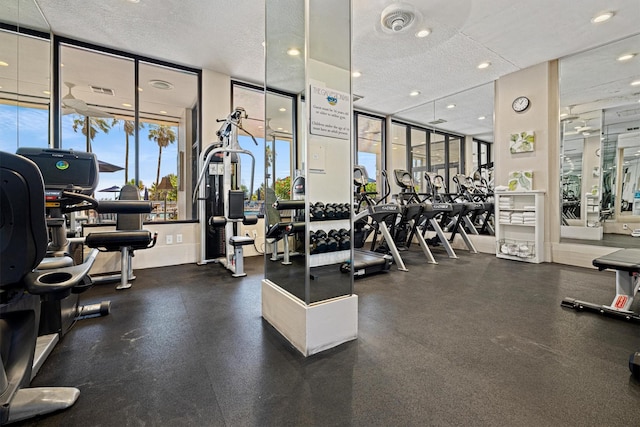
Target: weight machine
<point>220,200</point>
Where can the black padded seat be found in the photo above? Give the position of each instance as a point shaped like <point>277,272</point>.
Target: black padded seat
<point>240,241</point>
<point>113,241</point>
<point>128,235</point>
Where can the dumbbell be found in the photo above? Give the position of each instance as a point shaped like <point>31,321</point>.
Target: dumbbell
<point>346,210</point>
<point>330,211</point>
<point>318,239</point>
<point>332,242</point>
<point>317,211</point>
<point>345,239</point>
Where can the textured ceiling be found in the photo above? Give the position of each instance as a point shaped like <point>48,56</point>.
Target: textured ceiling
<point>226,36</point>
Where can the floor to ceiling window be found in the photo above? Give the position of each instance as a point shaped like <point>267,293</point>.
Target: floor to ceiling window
<point>137,117</point>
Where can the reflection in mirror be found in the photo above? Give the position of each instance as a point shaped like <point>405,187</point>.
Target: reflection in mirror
<point>600,116</point>
<point>580,174</point>
<point>434,142</point>
<point>284,71</point>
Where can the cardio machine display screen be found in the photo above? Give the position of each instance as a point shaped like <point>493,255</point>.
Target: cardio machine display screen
<point>63,169</point>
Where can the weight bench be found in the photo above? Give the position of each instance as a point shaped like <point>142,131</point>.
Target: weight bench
<point>626,263</point>
<point>128,236</point>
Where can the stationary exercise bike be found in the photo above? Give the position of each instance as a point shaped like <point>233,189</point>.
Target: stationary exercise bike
<point>23,245</point>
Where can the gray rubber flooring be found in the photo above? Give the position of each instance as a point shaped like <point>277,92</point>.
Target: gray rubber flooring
<point>476,341</point>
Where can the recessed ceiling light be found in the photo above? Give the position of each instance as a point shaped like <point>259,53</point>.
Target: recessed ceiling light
<point>423,33</point>
<point>61,64</point>
<point>562,115</point>
<point>126,105</point>
<point>139,89</point>
<point>293,51</point>
<point>282,109</point>
<point>395,148</point>
<point>635,83</point>
<point>3,64</point>
<point>586,133</point>
<point>133,1</point>
<point>601,17</point>
<point>484,65</point>
<point>356,74</point>
<point>626,56</point>
<point>414,93</point>
<point>46,92</point>
<point>161,84</point>
<point>395,137</point>
<point>163,112</point>
<point>481,118</point>
<point>450,106</point>
<point>260,127</point>
<point>279,129</point>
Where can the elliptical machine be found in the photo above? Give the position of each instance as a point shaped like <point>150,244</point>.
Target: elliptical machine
<point>221,162</point>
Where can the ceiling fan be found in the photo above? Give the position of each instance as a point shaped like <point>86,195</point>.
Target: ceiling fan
<point>72,104</point>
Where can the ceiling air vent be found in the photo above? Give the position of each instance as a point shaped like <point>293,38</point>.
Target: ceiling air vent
<point>437,122</point>
<point>102,90</point>
<point>397,17</point>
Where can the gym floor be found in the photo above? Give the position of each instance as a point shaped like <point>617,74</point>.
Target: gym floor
<point>473,341</point>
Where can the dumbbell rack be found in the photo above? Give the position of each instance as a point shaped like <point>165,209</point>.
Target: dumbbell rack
<point>321,220</point>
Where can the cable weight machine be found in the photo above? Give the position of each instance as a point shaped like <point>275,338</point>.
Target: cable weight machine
<point>220,199</point>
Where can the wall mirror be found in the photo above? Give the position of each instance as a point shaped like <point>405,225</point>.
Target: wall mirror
<point>600,120</point>
<point>434,145</point>
<point>24,76</point>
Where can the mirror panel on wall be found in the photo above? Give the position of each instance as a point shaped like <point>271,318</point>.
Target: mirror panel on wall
<point>369,148</point>
<point>600,118</point>
<point>435,136</point>
<point>24,90</point>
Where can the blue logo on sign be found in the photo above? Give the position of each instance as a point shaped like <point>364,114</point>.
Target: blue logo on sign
<point>332,100</point>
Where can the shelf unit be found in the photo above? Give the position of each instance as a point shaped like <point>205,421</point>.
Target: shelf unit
<point>591,210</point>
<point>520,225</point>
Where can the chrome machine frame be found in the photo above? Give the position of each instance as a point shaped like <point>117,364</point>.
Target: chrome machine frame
<point>228,136</point>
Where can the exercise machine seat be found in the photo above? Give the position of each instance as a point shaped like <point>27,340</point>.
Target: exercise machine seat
<point>23,244</point>
<point>128,236</point>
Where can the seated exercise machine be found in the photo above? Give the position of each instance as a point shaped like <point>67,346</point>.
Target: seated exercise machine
<point>282,230</point>
<point>221,191</point>
<point>128,236</point>
<point>23,237</point>
<point>626,263</point>
<point>69,180</point>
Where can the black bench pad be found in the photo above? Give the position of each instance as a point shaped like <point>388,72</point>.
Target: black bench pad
<point>114,240</point>
<point>624,259</point>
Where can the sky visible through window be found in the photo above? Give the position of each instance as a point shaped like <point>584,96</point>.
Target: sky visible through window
<point>110,147</point>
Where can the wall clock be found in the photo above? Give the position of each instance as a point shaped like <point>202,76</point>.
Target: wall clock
<point>520,104</point>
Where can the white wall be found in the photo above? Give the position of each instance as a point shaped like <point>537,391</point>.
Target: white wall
<point>540,84</point>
